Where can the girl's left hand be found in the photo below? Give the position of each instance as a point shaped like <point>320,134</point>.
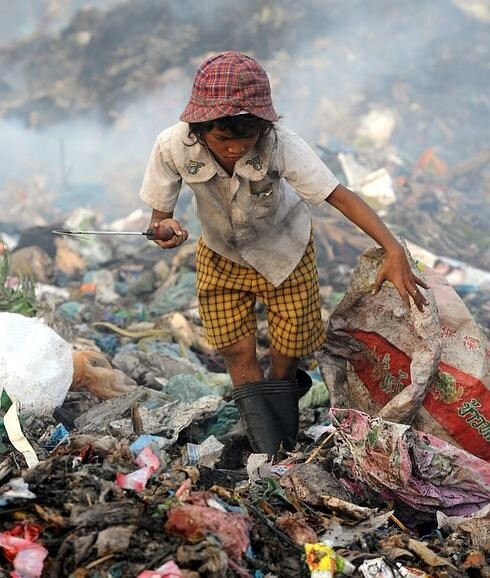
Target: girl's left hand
<point>396,269</point>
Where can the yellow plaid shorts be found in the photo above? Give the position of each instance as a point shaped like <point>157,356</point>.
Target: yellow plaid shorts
<point>227,294</point>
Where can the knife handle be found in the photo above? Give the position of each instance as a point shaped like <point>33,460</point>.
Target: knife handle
<point>160,234</point>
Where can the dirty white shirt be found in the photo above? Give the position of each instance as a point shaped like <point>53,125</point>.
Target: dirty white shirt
<point>258,217</point>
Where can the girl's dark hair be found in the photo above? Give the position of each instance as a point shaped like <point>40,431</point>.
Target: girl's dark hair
<point>241,125</point>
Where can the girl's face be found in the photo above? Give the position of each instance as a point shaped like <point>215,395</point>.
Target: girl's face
<point>227,147</point>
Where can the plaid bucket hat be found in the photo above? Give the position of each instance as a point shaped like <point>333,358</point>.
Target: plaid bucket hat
<point>228,84</point>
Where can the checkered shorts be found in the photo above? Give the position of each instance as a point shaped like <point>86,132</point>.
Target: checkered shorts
<point>227,293</point>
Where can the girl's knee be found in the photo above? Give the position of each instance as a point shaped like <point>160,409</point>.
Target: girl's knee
<point>241,362</point>
<point>243,350</point>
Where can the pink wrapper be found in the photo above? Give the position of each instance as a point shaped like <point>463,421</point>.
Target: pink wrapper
<point>29,559</point>
<point>149,464</point>
<point>168,570</point>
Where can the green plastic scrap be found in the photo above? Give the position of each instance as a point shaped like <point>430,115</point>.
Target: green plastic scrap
<point>5,403</point>
<point>317,396</point>
<point>20,299</point>
<point>274,489</point>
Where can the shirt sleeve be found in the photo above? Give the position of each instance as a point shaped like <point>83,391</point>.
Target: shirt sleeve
<point>161,182</point>
<point>298,163</point>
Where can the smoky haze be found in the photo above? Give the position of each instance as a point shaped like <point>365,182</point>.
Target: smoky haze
<point>128,73</point>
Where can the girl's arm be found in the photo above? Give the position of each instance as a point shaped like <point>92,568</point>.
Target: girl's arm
<point>395,267</point>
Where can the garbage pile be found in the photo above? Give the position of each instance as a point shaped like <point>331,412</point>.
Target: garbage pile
<point>120,453</point>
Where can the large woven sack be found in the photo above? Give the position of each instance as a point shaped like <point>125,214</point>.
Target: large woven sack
<point>428,368</point>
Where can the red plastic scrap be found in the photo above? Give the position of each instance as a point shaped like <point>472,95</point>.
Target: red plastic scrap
<point>20,548</point>
<point>149,464</point>
<point>195,518</point>
<point>194,522</point>
<point>86,453</point>
<point>26,531</point>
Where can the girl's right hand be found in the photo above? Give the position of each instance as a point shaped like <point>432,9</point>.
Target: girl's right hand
<point>180,234</point>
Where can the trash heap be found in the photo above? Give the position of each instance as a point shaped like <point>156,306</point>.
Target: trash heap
<point>120,453</point>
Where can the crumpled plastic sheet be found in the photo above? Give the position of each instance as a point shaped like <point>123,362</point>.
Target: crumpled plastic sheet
<point>187,388</point>
<point>476,525</point>
<point>339,536</point>
<point>15,489</point>
<point>171,418</point>
<point>36,363</point>
<point>149,464</point>
<point>163,348</point>
<point>201,514</point>
<point>378,568</point>
<point>168,570</point>
<point>414,467</point>
<point>26,555</point>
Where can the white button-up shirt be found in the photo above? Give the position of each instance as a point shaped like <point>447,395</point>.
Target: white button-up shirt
<point>258,217</point>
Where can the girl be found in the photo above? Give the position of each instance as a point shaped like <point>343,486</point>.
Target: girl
<point>254,182</point>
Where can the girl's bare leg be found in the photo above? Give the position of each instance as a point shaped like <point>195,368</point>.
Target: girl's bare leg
<point>241,361</point>
<point>282,367</point>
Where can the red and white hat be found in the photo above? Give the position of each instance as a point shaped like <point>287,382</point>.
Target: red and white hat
<point>228,84</point>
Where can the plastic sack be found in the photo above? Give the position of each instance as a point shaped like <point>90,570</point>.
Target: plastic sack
<point>402,464</point>
<point>428,368</point>
<point>36,364</point>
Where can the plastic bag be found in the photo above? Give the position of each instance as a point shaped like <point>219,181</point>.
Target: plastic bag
<point>427,368</point>
<point>36,364</point>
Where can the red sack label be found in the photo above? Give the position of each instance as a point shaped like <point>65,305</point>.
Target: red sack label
<point>456,400</point>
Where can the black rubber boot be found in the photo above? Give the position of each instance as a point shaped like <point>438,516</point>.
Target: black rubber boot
<point>238,433</point>
<point>302,379</point>
<point>270,414</point>
<point>304,382</point>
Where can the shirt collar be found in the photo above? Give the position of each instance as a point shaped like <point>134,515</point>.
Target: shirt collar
<point>197,164</point>
<point>255,164</point>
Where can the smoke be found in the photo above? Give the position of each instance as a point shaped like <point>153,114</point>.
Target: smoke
<point>423,60</point>
<point>88,162</point>
<point>329,64</point>
<point>21,20</point>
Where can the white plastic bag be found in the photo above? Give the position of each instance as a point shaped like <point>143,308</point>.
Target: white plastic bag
<point>36,364</point>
